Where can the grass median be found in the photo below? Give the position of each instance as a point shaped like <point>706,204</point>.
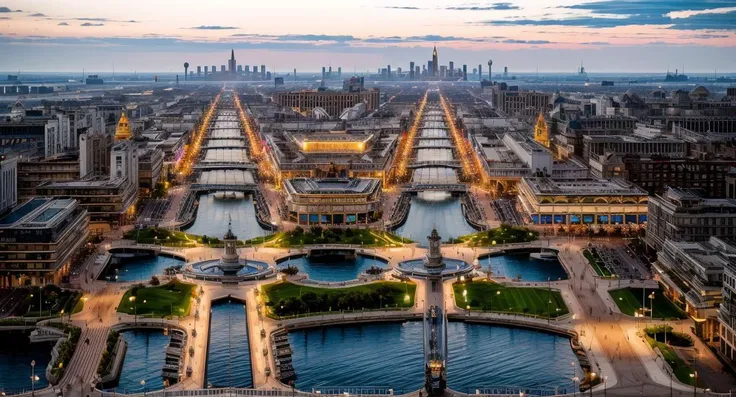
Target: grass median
<point>490,296</point>
<point>629,301</point>
<point>504,234</point>
<point>171,299</point>
<point>288,299</point>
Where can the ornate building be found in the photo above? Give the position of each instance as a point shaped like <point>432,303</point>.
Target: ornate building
<point>541,132</point>
<point>123,131</point>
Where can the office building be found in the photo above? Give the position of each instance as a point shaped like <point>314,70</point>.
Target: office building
<point>451,69</point>
<point>727,308</point>
<point>333,102</point>
<point>686,215</point>
<point>58,135</point>
<point>515,103</point>
<point>600,202</point>
<point>8,182</point>
<point>38,241</point>
<point>435,62</point>
<point>465,72</point>
<point>411,71</point>
<point>333,201</point>
<point>206,68</point>
<point>150,166</point>
<point>94,154</point>
<point>199,71</point>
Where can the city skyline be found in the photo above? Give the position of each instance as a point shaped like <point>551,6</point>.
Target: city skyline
<point>525,35</point>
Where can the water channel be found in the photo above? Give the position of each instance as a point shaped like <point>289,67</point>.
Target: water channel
<point>134,270</point>
<point>478,356</point>
<point>16,354</point>
<point>434,209</point>
<point>228,352</point>
<point>521,265</point>
<point>144,360</point>
<point>334,271</point>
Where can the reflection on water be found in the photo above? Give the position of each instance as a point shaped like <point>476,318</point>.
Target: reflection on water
<point>16,354</point>
<point>144,360</point>
<point>228,354</point>
<point>212,218</point>
<point>390,355</point>
<point>434,209</point>
<point>139,269</point>
<point>530,269</point>
<point>333,271</point>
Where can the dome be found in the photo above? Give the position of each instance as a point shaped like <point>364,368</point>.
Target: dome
<point>700,92</point>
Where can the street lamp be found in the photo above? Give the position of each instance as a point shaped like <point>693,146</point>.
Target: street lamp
<point>135,309</point>
<point>143,383</point>
<point>592,377</point>
<point>33,378</point>
<point>651,305</point>
<point>605,378</point>
<point>575,380</point>
<point>498,292</point>
<point>694,376</point>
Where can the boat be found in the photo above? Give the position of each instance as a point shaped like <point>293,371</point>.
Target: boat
<point>544,255</point>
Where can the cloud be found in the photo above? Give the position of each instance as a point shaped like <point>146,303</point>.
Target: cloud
<point>403,8</point>
<point>89,24</point>
<point>213,27</point>
<point>62,24</point>
<point>1,18</point>
<point>495,6</point>
<point>710,36</point>
<point>6,9</point>
<point>38,14</point>
<point>596,43</point>
<point>514,41</point>
<point>682,15</point>
<point>91,19</point>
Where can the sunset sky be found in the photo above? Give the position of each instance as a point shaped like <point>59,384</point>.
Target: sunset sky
<point>554,36</point>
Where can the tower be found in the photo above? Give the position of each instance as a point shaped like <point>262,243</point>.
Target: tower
<point>435,64</point>
<point>480,72</point>
<point>230,261</point>
<point>199,71</point>
<point>452,68</point>
<point>186,68</point>
<point>465,72</point>
<point>541,133</point>
<point>232,62</point>
<point>434,260</point>
<point>411,70</point>
<point>123,131</point>
<point>490,75</point>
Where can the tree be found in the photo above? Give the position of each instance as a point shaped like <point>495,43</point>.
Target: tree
<point>155,281</point>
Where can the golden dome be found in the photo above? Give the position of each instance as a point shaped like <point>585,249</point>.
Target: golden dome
<point>123,131</point>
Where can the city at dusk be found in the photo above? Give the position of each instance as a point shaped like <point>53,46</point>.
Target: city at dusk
<point>367,199</point>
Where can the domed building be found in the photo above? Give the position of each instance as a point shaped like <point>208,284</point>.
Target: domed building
<point>700,93</point>
<point>122,133</point>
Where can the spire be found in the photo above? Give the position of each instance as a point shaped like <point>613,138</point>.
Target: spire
<point>123,131</point>
<point>232,54</point>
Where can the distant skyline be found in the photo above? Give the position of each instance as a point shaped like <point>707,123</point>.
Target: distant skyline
<point>159,36</point>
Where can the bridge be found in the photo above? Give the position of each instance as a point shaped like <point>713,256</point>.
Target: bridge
<point>420,145</point>
<point>435,347</point>
<point>225,147</point>
<point>211,187</point>
<point>438,187</point>
<point>435,163</point>
<point>224,166</point>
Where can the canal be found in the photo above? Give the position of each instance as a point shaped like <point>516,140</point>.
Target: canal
<point>143,361</point>
<point>16,355</point>
<point>334,271</point>
<point>228,351</point>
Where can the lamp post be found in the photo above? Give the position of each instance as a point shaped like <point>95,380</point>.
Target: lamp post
<point>33,378</point>
<point>143,383</point>
<point>605,378</point>
<point>135,309</point>
<point>694,376</point>
<point>592,377</point>
<point>651,305</point>
<point>498,292</point>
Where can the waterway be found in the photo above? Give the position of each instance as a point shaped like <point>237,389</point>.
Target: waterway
<point>133,270</point>
<point>144,360</point>
<point>434,209</point>
<point>334,271</point>
<point>228,354</point>
<point>478,356</point>
<point>522,265</point>
<point>213,215</point>
<point>16,354</point>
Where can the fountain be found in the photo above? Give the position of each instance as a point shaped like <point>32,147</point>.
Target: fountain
<point>434,264</point>
<point>230,267</point>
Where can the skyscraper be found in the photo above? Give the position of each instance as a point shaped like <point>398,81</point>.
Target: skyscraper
<point>435,63</point>
<point>480,72</point>
<point>263,72</point>
<point>465,72</point>
<point>411,70</point>
<point>388,68</point>
<point>199,71</point>
<point>324,71</point>
<point>231,62</point>
<point>417,73</point>
<point>452,68</point>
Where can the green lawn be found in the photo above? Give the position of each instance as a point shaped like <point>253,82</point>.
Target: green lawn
<point>319,235</point>
<point>500,235</point>
<point>483,295</point>
<point>55,301</point>
<point>596,264</point>
<point>681,369</point>
<point>289,299</point>
<point>173,298</point>
<point>629,300</point>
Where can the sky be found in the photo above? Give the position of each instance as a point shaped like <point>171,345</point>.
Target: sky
<point>524,35</point>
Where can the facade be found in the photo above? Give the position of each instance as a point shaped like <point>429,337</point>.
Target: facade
<point>686,215</point>
<point>59,136</point>
<point>333,102</point>
<point>8,182</point>
<point>656,173</point>
<point>150,165</point>
<point>39,239</point>
<point>600,202</point>
<point>727,308</point>
<point>34,171</point>
<point>94,154</point>
<point>516,103</point>
<point>692,273</point>
<point>333,201</point>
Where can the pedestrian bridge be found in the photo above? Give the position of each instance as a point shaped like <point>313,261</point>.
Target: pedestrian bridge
<point>435,163</point>
<point>438,187</point>
<point>209,187</point>
<point>202,166</point>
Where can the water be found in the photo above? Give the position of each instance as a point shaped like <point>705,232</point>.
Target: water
<point>482,355</point>
<point>530,269</point>
<point>228,354</point>
<point>143,360</point>
<point>390,355</point>
<point>139,269</point>
<point>444,214</point>
<point>212,218</point>
<point>334,271</point>
<point>16,354</point>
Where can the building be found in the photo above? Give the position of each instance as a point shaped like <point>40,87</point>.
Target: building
<point>150,166</point>
<point>58,135</point>
<point>333,201</point>
<point>515,103</point>
<point>435,63</point>
<point>731,183</point>
<point>686,215</point>
<point>727,308</point>
<point>541,132</point>
<point>94,154</point>
<point>39,239</point>
<point>34,171</point>
<point>598,202</point>
<point>23,132</point>
<point>333,102</point>
<point>8,182</point>
<point>124,162</point>
<point>692,274</point>
<point>123,130</point>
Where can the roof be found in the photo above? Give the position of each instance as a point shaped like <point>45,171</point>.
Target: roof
<point>583,187</point>
<point>37,212</point>
<point>332,185</point>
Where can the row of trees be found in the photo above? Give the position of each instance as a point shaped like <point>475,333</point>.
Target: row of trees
<point>309,302</point>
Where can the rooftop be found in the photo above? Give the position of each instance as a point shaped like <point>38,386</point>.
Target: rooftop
<point>332,185</point>
<point>583,187</point>
<point>37,213</point>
